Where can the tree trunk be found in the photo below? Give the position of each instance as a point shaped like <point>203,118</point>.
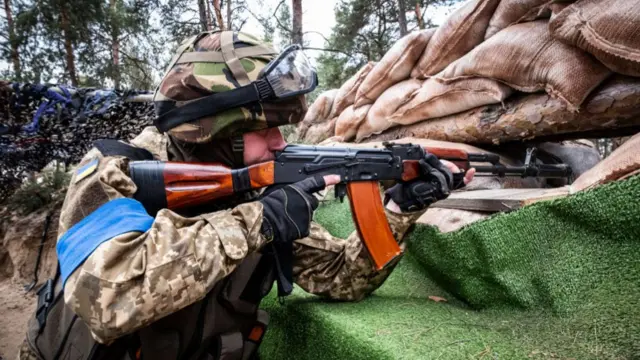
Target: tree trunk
<point>297,21</point>
<point>219,19</point>
<point>115,44</point>
<point>13,42</point>
<point>209,24</point>
<point>202,10</point>
<point>402,17</point>
<point>419,16</point>
<point>68,47</point>
<point>229,24</point>
<point>613,110</point>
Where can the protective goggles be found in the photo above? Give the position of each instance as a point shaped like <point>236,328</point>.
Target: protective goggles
<point>290,74</point>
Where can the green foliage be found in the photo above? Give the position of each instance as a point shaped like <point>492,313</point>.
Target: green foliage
<point>39,191</point>
<point>364,31</point>
<point>44,28</point>
<point>284,24</point>
<point>126,23</point>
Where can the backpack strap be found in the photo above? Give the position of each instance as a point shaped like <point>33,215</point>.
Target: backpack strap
<point>46,295</point>
<point>111,147</point>
<point>254,339</point>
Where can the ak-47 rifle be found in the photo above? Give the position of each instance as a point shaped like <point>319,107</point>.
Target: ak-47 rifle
<point>178,185</point>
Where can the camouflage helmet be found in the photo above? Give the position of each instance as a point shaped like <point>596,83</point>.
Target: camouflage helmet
<point>218,61</point>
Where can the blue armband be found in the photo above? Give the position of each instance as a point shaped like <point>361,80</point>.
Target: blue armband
<point>114,218</point>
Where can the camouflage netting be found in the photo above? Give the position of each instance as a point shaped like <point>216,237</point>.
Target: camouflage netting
<point>478,77</point>
<point>39,124</point>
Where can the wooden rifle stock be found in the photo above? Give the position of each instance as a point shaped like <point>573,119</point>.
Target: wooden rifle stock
<point>188,184</point>
<point>411,168</point>
<point>179,185</point>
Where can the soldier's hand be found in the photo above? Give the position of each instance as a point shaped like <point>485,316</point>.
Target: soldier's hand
<point>460,179</point>
<point>288,210</point>
<point>435,183</point>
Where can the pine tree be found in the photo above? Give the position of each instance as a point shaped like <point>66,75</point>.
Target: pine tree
<point>52,35</point>
<point>129,28</point>
<point>285,35</point>
<point>364,31</point>
<point>11,40</point>
<point>402,17</point>
<point>296,36</point>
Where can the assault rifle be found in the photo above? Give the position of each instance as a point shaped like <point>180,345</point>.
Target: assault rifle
<point>178,185</point>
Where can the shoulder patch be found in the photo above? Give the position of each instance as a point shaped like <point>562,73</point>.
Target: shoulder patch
<point>86,170</point>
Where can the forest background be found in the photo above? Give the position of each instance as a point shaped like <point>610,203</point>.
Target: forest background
<point>126,44</point>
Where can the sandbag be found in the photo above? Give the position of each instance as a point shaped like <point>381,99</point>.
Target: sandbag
<point>347,92</point>
<point>377,118</point>
<point>448,220</point>
<point>556,8</point>
<point>461,32</point>
<point>349,121</point>
<point>435,99</point>
<point>621,164</point>
<point>395,66</point>
<point>527,58</point>
<point>319,132</point>
<point>510,12</point>
<point>318,112</point>
<point>610,30</point>
<point>615,106</point>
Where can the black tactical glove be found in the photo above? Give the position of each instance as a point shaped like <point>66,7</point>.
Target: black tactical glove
<point>434,184</point>
<point>288,210</point>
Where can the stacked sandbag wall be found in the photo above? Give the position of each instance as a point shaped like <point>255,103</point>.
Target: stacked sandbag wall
<point>479,77</point>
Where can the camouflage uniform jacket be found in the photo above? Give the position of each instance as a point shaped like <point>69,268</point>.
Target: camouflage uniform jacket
<point>136,278</point>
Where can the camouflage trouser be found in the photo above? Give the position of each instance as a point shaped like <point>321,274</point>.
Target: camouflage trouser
<point>25,352</point>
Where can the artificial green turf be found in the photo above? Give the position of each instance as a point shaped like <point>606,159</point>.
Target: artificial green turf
<point>559,279</point>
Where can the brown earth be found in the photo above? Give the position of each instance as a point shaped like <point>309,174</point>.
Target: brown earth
<point>20,238</point>
<point>16,307</point>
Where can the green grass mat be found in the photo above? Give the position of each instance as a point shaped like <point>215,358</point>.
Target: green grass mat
<point>556,280</point>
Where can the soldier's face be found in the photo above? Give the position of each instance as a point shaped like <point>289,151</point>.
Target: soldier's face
<point>260,145</point>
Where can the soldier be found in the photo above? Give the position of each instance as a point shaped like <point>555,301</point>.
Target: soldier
<point>168,285</point>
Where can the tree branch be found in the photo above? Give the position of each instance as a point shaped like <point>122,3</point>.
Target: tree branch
<point>329,50</point>
<point>242,24</point>
<point>319,33</point>
<point>278,20</point>
<point>260,20</point>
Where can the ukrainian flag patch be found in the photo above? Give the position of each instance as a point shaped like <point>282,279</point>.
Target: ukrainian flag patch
<point>86,170</point>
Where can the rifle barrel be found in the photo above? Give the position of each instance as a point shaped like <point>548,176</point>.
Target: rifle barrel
<point>544,170</point>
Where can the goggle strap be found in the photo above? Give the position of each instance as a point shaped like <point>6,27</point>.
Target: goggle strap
<point>264,90</point>
<point>214,104</point>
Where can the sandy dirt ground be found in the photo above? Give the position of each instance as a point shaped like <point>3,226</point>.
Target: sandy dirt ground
<point>20,239</point>
<point>16,307</point>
